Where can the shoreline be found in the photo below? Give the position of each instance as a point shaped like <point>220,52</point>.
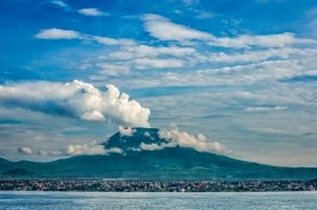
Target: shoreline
<point>141,193</point>
<point>103,185</point>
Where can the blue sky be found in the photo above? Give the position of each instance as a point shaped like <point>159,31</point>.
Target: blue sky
<point>241,73</point>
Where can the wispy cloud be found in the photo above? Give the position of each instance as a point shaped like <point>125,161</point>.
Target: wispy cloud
<point>56,33</point>
<point>266,41</point>
<point>49,153</point>
<point>164,29</point>
<point>60,3</point>
<point>25,150</point>
<point>85,149</point>
<point>91,148</point>
<point>265,108</point>
<point>92,12</point>
<point>141,56</point>
<point>156,63</point>
<point>141,51</point>
<point>109,41</point>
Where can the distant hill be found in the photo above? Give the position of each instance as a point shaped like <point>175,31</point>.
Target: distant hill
<point>168,163</point>
<point>18,172</point>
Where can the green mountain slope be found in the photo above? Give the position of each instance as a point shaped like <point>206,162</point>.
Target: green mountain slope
<point>168,163</point>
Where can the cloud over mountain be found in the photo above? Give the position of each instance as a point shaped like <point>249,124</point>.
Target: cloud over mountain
<point>76,99</point>
<point>151,139</point>
<point>90,149</point>
<point>177,138</point>
<point>25,150</point>
<point>184,139</point>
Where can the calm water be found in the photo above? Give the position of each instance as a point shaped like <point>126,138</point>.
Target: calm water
<point>182,201</point>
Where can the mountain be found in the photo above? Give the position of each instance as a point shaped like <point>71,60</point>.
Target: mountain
<point>18,172</point>
<point>167,163</point>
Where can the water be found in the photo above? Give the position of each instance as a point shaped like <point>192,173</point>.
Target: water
<point>175,201</point>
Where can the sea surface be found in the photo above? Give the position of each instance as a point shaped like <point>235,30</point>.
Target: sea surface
<point>175,201</point>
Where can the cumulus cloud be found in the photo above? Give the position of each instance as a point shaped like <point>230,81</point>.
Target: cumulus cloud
<point>56,33</point>
<point>184,139</point>
<point>176,138</point>
<point>92,12</point>
<point>76,99</point>
<point>126,131</point>
<point>25,150</point>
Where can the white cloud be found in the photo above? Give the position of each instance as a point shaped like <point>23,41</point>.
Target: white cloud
<point>77,99</point>
<point>49,153</point>
<point>156,63</point>
<point>90,149</point>
<point>190,2</point>
<point>25,150</point>
<point>86,149</point>
<point>270,40</point>
<point>263,108</point>
<point>111,41</point>
<point>129,111</point>
<point>175,138</point>
<point>60,4</point>
<point>126,131</point>
<point>163,29</point>
<point>184,139</point>
<point>240,74</point>
<point>112,69</point>
<point>152,147</point>
<point>142,57</point>
<point>142,51</point>
<point>251,56</point>
<point>147,134</point>
<point>92,12</point>
<point>56,33</point>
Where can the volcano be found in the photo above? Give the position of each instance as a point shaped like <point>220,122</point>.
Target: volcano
<point>165,163</point>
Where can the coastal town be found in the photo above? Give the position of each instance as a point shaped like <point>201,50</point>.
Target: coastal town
<point>105,185</point>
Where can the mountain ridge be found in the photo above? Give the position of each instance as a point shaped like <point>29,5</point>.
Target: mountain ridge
<point>166,163</point>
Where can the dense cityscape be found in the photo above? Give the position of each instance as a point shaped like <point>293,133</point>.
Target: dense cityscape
<point>155,186</point>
